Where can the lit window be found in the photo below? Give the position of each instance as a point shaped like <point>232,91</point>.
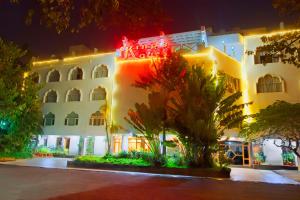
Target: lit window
<point>51,97</point>
<point>117,144</point>
<point>49,119</point>
<point>72,119</point>
<point>101,71</point>
<point>54,76</point>
<point>262,57</point>
<point>74,95</point>
<point>137,144</point>
<point>269,83</point>
<point>98,94</point>
<point>97,119</point>
<point>76,74</point>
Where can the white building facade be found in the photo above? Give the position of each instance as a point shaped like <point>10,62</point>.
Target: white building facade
<point>76,89</point>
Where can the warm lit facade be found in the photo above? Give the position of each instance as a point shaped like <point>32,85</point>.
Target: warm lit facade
<point>103,79</point>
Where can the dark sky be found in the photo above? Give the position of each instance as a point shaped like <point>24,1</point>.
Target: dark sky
<point>186,14</point>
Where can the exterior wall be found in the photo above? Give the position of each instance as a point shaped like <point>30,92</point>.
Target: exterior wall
<point>230,44</point>
<point>289,73</point>
<point>252,72</point>
<point>272,152</point>
<point>86,106</point>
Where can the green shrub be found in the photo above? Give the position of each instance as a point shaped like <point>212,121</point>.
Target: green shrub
<point>17,155</point>
<point>112,160</point>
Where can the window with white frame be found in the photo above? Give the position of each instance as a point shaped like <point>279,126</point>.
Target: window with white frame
<point>97,119</point>
<point>51,97</point>
<point>76,74</point>
<point>74,95</point>
<point>98,94</point>
<point>54,76</point>
<point>72,119</point>
<point>101,71</point>
<point>269,83</point>
<point>49,119</point>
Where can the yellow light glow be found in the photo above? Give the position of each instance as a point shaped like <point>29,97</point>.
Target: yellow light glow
<point>26,74</point>
<point>45,62</point>
<point>136,60</point>
<point>253,35</point>
<point>87,56</point>
<point>70,58</point>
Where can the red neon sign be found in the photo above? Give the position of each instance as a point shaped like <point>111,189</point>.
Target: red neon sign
<point>134,50</point>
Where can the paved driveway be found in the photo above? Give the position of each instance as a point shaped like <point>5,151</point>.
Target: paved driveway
<point>32,183</point>
<point>237,174</point>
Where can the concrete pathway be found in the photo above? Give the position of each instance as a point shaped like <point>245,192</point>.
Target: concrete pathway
<point>237,174</point>
<point>59,163</point>
<point>256,175</point>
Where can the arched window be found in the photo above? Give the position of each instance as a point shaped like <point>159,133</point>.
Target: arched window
<point>101,71</point>
<point>54,76</point>
<point>269,83</point>
<point>76,74</point>
<point>98,93</point>
<point>51,97</point>
<point>97,119</point>
<point>49,119</point>
<point>73,95</point>
<point>72,119</point>
<point>35,77</point>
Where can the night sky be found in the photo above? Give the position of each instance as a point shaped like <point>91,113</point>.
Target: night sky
<point>186,15</point>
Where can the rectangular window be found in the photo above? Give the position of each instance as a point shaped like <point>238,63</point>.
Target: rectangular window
<point>261,57</point>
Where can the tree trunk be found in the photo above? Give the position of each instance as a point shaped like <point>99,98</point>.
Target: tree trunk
<point>164,140</point>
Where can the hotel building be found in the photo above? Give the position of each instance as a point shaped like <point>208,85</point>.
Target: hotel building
<point>82,92</point>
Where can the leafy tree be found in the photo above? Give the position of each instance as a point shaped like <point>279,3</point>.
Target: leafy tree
<point>285,46</point>
<point>147,120</point>
<point>20,114</point>
<point>71,15</point>
<point>164,76</point>
<point>202,110</point>
<point>280,120</point>
<point>110,127</point>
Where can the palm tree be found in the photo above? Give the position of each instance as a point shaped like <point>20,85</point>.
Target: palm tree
<point>201,112</point>
<point>147,120</point>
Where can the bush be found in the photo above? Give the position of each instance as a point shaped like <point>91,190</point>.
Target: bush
<point>176,161</point>
<point>17,155</point>
<point>112,160</point>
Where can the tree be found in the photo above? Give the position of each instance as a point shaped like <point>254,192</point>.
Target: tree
<point>110,127</point>
<point>164,76</point>
<point>147,120</point>
<point>71,15</point>
<point>280,120</point>
<point>201,112</point>
<point>286,46</point>
<point>20,111</point>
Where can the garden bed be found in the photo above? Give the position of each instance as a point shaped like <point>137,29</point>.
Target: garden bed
<point>275,167</point>
<point>135,166</point>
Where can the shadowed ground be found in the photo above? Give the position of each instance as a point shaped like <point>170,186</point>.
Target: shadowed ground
<point>33,183</point>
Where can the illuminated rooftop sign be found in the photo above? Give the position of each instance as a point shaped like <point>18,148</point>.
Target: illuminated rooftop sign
<point>134,50</point>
